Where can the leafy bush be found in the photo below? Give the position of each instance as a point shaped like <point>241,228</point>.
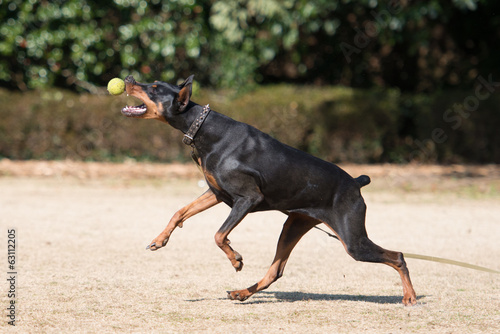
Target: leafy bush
<point>412,45</point>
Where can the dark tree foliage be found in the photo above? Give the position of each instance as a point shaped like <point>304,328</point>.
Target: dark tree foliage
<point>415,45</point>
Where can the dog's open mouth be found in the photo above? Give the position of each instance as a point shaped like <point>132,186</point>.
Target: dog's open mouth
<point>148,109</point>
<point>134,111</point>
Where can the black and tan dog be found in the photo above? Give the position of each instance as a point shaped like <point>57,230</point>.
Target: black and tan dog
<point>250,171</point>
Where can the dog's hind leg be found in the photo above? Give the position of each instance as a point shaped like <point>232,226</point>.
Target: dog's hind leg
<point>350,228</point>
<point>205,201</point>
<point>294,228</point>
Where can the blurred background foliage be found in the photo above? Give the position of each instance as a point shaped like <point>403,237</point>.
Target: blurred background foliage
<point>413,45</point>
<point>362,81</point>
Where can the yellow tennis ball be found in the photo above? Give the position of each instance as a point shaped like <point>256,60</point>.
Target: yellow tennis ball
<point>116,86</point>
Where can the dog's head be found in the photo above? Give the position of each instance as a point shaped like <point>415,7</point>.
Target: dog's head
<point>161,100</point>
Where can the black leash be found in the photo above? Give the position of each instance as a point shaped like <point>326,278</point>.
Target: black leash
<point>329,234</point>
<point>433,258</point>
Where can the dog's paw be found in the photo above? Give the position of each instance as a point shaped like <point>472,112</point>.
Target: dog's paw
<point>157,244</point>
<point>240,295</point>
<point>237,262</point>
<point>409,300</point>
<point>238,265</point>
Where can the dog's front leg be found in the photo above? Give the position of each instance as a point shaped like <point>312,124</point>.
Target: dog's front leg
<point>239,210</point>
<point>205,201</point>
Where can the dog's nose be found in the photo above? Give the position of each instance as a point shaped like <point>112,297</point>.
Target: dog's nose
<point>130,80</point>
<point>130,83</point>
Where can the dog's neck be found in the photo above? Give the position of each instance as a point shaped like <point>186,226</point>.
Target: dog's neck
<point>183,121</point>
<point>196,126</point>
<point>208,135</point>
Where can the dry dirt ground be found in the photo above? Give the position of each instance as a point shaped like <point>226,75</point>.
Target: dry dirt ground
<point>82,228</point>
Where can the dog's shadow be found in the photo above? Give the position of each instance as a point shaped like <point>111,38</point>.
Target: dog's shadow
<point>293,296</point>
<point>263,297</point>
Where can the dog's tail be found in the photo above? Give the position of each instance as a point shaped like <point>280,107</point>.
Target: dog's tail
<point>363,180</point>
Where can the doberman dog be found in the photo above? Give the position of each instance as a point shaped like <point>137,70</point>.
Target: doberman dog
<point>251,171</point>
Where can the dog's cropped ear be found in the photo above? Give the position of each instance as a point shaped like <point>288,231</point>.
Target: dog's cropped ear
<point>185,93</point>
<point>189,81</point>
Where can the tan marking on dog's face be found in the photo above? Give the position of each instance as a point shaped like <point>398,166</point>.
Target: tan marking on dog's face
<point>153,111</point>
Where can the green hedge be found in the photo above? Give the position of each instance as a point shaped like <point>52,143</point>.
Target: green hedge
<point>335,123</point>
